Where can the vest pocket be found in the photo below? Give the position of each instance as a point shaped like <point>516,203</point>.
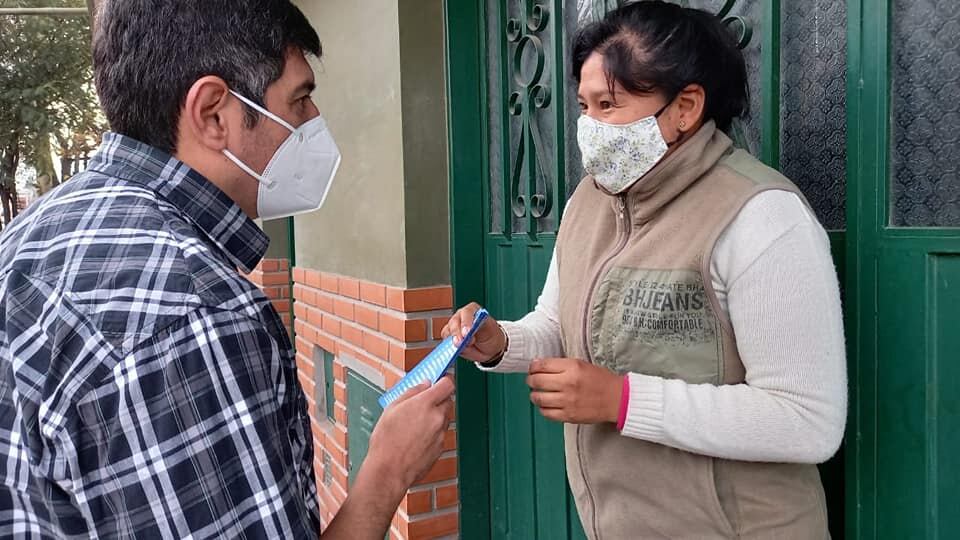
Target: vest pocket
<point>656,322</point>
<point>725,499</point>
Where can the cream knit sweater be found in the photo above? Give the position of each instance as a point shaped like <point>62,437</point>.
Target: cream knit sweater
<point>773,273</point>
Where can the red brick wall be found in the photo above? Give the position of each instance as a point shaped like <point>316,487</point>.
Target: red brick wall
<point>273,277</point>
<point>388,330</point>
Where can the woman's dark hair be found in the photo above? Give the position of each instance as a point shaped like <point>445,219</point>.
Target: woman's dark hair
<point>653,46</point>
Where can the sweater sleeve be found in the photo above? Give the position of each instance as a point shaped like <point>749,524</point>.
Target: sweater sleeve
<point>774,265</point>
<point>537,335</point>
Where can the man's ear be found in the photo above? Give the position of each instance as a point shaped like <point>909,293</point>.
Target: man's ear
<point>203,112</point>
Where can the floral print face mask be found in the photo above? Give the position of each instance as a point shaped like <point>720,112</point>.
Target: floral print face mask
<point>618,155</point>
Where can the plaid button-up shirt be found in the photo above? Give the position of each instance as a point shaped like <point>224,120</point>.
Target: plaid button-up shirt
<point>146,388</point>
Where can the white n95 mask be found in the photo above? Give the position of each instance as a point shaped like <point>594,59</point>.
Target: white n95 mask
<point>299,175</point>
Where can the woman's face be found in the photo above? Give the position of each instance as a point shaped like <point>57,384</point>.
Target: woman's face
<point>682,115</point>
<point>620,107</point>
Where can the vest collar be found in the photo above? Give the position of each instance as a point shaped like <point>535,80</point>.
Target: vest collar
<point>677,172</point>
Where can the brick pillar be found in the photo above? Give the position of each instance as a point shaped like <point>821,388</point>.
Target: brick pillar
<point>382,332</point>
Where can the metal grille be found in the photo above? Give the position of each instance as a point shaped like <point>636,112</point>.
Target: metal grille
<point>526,114</point>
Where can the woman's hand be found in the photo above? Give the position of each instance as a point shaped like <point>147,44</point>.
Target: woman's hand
<point>487,342</point>
<point>573,391</point>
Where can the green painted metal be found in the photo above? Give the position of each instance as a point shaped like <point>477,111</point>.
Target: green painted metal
<point>513,482</point>
<point>528,486</point>
<point>904,288</point>
<point>528,496</point>
<point>292,258</point>
<point>328,383</point>
<point>770,79</point>
<point>363,412</point>
<point>291,242</point>
<point>466,114</point>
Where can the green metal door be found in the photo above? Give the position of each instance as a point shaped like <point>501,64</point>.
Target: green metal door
<point>904,437</point>
<point>527,173</point>
<point>513,163</point>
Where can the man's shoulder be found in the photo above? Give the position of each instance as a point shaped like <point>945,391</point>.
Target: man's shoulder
<point>113,252</point>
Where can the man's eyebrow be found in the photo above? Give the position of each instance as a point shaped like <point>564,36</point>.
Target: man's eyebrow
<point>306,87</point>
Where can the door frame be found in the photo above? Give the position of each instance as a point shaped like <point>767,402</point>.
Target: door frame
<point>466,99</point>
<point>865,108</point>
<point>869,173</point>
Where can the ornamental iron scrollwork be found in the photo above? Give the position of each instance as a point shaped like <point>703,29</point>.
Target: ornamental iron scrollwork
<point>531,93</point>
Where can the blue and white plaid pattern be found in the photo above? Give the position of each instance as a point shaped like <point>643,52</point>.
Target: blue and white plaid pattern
<point>147,389</point>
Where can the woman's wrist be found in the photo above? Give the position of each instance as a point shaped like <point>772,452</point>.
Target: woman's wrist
<point>494,360</point>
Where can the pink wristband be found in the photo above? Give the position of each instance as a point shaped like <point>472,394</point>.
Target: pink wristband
<point>624,403</point>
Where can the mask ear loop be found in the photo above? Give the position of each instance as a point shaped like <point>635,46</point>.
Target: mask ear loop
<point>660,112</point>
<point>259,177</point>
<point>269,115</point>
<point>265,112</point>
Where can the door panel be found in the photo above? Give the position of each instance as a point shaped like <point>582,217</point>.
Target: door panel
<point>917,408</point>
<point>528,494</point>
<point>527,118</point>
<point>904,257</point>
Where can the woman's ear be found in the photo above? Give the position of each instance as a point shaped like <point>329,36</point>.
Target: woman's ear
<point>690,105</point>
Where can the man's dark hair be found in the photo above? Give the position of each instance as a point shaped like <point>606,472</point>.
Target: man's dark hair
<point>653,46</point>
<point>148,53</point>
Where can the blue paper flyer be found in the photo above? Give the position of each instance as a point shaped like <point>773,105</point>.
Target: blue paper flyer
<point>435,364</point>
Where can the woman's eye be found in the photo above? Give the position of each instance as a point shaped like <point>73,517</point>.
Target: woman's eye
<point>583,107</point>
<point>606,105</point>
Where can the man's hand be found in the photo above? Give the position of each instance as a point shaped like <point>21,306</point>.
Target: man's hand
<point>406,442</point>
<point>408,439</point>
<point>573,391</point>
<point>487,342</point>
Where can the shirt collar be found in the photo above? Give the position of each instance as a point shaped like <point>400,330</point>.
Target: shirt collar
<point>203,203</point>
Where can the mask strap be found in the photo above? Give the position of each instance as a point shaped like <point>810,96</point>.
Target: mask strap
<point>247,169</point>
<point>660,112</point>
<point>265,112</point>
<point>664,108</point>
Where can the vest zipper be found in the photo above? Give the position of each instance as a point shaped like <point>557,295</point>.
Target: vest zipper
<point>624,215</point>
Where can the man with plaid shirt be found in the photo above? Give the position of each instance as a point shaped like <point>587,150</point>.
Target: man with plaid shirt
<point>146,388</point>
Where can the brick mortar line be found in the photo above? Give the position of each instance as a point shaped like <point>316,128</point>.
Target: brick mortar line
<point>402,315</point>
<point>436,312</point>
<point>416,518</point>
<point>437,484</point>
<point>362,328</point>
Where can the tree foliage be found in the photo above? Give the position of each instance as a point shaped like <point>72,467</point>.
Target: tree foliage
<point>47,99</point>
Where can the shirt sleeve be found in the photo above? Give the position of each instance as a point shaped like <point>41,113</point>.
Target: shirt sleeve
<point>197,433</point>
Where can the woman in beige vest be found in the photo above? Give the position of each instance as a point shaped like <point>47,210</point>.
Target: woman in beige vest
<point>689,334</point>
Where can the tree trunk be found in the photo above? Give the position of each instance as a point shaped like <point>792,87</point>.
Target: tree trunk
<point>9,159</point>
<point>5,202</point>
<point>14,200</point>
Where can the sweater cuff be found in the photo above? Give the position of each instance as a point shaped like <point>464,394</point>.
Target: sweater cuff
<point>644,418</point>
<point>513,360</point>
